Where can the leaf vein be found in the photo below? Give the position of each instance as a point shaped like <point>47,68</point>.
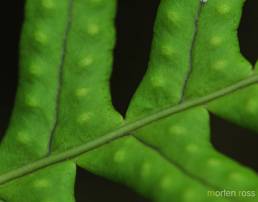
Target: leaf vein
<point>174,163</point>
<point>191,51</point>
<point>124,130</point>
<point>60,75</point>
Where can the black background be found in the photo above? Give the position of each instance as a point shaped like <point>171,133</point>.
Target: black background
<point>134,26</point>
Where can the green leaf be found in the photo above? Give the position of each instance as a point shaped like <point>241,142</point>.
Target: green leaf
<point>64,117</point>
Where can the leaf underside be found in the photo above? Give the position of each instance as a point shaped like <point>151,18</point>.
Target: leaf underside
<point>64,117</point>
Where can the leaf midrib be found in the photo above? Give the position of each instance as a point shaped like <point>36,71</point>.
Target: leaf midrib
<point>174,163</point>
<point>60,75</point>
<point>191,51</point>
<point>124,130</point>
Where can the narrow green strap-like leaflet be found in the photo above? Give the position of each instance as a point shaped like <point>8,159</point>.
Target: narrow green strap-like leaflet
<point>64,116</point>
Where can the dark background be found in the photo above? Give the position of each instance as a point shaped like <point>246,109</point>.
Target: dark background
<point>130,62</point>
